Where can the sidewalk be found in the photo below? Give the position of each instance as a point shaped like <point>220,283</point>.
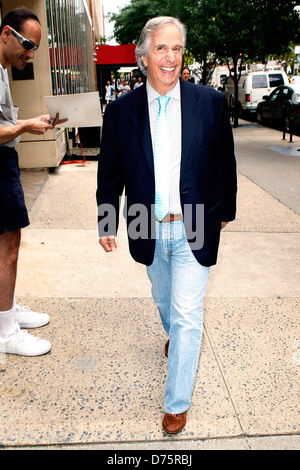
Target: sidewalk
<point>102,385</point>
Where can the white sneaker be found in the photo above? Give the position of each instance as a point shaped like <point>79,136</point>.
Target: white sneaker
<point>27,318</point>
<point>24,344</point>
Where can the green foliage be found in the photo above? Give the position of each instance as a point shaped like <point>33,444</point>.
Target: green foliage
<point>254,28</point>
<point>224,28</point>
<point>132,18</point>
<point>234,31</point>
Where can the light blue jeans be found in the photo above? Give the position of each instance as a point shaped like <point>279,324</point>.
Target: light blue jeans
<point>178,287</point>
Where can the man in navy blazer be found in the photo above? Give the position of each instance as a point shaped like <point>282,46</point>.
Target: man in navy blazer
<point>201,180</point>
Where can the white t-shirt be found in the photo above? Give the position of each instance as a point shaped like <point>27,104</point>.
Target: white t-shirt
<point>8,112</point>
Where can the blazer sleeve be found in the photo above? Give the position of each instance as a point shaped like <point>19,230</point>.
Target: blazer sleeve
<point>227,165</point>
<point>110,182</point>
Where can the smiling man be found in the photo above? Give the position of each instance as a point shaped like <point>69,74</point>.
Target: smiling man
<point>164,58</point>
<point>18,53</point>
<point>170,145</point>
<point>20,35</point>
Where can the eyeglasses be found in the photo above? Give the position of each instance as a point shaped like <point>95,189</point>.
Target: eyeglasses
<point>26,43</point>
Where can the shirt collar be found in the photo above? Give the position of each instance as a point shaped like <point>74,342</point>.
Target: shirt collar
<point>153,95</point>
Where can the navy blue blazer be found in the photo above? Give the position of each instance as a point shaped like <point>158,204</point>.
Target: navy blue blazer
<point>207,178</point>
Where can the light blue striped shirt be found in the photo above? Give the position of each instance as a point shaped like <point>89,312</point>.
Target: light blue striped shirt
<point>174,115</point>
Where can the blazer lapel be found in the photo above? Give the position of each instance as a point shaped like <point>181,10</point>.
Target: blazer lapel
<point>190,115</point>
<point>140,121</point>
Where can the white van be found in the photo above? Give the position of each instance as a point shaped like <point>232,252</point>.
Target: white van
<point>218,77</point>
<point>253,86</point>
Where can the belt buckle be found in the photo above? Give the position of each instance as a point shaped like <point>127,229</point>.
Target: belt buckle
<point>169,218</point>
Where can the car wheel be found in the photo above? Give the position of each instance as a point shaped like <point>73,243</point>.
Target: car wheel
<point>259,118</point>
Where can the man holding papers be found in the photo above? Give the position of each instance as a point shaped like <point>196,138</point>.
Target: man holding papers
<point>20,35</point>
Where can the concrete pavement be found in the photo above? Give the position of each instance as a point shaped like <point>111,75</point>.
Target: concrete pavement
<point>102,385</point>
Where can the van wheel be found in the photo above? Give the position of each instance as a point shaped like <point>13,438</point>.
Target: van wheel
<point>259,118</point>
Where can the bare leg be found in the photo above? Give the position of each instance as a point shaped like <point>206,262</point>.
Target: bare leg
<point>9,251</point>
<point>12,339</point>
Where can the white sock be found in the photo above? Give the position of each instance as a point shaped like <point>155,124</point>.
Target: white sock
<point>7,323</point>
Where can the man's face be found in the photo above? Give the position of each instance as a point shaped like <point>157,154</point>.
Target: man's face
<point>185,74</point>
<point>164,59</point>
<point>15,53</point>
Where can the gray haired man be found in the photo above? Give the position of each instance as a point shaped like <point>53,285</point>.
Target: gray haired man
<point>169,143</point>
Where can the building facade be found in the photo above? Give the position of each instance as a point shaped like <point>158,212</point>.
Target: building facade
<point>64,64</point>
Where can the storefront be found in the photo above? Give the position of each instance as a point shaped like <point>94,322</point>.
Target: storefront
<point>64,64</point>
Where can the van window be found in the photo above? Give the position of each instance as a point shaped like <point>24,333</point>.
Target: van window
<point>222,79</point>
<point>259,81</point>
<point>276,79</point>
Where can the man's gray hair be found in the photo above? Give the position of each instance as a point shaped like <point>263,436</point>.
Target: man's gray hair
<point>151,27</point>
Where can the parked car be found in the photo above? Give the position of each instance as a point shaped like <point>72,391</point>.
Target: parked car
<point>281,107</point>
<point>252,87</point>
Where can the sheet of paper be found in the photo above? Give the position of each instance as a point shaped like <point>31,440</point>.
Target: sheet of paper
<point>82,109</point>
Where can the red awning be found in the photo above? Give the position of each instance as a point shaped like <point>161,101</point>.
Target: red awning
<point>119,55</point>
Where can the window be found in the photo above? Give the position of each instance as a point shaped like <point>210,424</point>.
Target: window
<point>276,79</point>
<point>287,94</point>
<point>275,96</point>
<point>71,46</point>
<point>222,79</point>
<point>259,81</point>
<point>296,97</point>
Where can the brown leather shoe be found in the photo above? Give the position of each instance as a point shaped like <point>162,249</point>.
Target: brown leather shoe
<point>174,423</point>
<point>167,348</point>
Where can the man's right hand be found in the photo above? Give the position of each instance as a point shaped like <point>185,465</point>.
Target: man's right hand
<point>37,125</point>
<point>41,124</point>
<point>108,243</point>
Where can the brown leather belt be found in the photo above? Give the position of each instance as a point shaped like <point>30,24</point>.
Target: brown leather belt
<point>170,218</point>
